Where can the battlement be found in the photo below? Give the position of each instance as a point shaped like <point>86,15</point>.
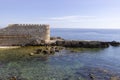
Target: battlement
<point>28,25</point>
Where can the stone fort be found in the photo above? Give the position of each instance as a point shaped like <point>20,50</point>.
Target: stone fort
<point>22,34</point>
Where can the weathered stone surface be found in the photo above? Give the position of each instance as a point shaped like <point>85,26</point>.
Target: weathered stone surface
<point>24,34</point>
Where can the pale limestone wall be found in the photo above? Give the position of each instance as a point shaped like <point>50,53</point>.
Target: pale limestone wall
<point>21,34</point>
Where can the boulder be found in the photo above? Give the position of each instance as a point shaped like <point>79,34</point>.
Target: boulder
<point>52,51</point>
<point>60,43</point>
<point>45,52</point>
<point>38,51</point>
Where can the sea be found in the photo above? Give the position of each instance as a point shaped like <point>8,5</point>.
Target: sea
<point>87,64</point>
<point>87,34</point>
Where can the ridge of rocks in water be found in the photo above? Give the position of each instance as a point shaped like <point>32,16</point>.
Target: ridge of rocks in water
<point>52,47</point>
<point>58,41</point>
<point>82,44</point>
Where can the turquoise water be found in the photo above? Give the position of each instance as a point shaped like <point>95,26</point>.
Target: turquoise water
<point>66,65</point>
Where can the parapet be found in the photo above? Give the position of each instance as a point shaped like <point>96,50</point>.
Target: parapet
<point>28,25</point>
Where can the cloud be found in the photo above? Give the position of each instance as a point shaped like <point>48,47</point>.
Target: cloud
<point>74,21</point>
<point>71,17</point>
<point>84,22</point>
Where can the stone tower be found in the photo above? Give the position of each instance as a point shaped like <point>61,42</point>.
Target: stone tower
<point>22,34</point>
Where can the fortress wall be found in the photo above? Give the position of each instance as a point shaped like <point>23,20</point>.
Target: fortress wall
<point>13,41</point>
<point>20,34</point>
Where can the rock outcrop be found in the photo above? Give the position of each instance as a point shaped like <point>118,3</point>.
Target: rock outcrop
<point>114,43</point>
<point>82,44</point>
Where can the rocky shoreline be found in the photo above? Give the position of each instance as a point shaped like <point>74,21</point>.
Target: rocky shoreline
<point>85,44</point>
<point>58,41</point>
<point>57,44</point>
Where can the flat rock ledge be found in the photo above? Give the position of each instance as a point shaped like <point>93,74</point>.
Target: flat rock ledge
<point>86,44</point>
<point>79,44</point>
<point>58,41</point>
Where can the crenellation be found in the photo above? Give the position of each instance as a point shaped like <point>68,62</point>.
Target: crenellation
<point>40,25</point>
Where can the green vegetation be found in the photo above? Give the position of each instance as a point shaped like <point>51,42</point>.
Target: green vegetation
<point>25,53</point>
<point>19,53</point>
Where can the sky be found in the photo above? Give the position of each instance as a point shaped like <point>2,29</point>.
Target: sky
<point>62,13</point>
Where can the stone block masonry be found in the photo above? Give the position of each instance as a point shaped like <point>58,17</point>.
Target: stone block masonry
<point>22,34</point>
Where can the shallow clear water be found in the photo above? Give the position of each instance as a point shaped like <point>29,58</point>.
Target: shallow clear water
<point>65,65</point>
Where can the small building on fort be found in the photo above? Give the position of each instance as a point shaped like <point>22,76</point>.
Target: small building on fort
<point>22,34</point>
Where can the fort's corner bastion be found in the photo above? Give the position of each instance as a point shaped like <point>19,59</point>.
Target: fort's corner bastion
<point>22,34</point>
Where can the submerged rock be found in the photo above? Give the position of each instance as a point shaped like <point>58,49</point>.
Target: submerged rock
<point>38,51</point>
<point>52,51</point>
<point>57,50</point>
<point>115,78</point>
<point>94,73</point>
<point>48,50</point>
<point>45,52</point>
<point>92,76</point>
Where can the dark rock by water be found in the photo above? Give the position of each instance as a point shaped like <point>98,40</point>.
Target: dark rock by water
<point>82,44</point>
<point>114,43</point>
